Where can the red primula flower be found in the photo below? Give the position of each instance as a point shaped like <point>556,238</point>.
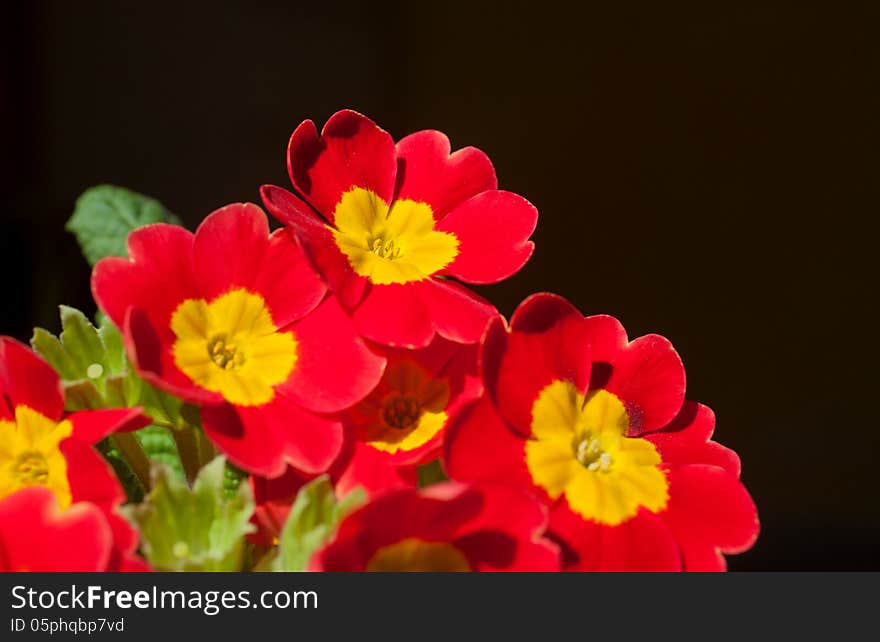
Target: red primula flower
<point>397,221</point>
<point>236,319</point>
<point>597,426</point>
<point>401,423</point>
<point>444,527</point>
<point>40,446</point>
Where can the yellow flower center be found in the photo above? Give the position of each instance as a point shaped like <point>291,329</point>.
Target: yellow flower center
<point>232,346</point>
<point>30,454</point>
<point>578,449</point>
<point>405,411</point>
<point>418,556</point>
<point>396,244</point>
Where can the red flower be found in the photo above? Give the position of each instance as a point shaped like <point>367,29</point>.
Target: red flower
<point>399,219</point>
<point>444,527</point>
<point>235,319</point>
<point>40,446</point>
<point>597,426</point>
<point>400,425</point>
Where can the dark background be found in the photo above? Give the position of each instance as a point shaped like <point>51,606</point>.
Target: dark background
<point>705,172</point>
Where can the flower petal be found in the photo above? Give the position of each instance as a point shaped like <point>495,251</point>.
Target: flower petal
<point>365,467</point>
<point>428,173</point>
<point>263,439</point>
<point>649,378</point>
<point>644,543</point>
<point>458,313</point>
<point>27,380</point>
<point>548,342</point>
<point>334,367</point>
<point>492,229</point>
<point>395,315</point>
<point>160,254</point>
<point>479,446</point>
<point>709,511</point>
<point>36,536</point>
<point>317,240</point>
<point>352,151</point>
<point>685,440</point>
<point>91,426</point>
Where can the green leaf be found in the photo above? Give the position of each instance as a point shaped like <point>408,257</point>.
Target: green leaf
<point>96,374</point>
<point>312,522</point>
<point>83,358</point>
<point>198,529</point>
<point>104,215</point>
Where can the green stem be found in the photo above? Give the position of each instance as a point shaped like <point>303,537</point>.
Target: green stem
<point>188,449</point>
<point>194,449</point>
<point>134,455</point>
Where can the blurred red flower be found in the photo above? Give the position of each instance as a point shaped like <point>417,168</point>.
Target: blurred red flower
<point>444,527</point>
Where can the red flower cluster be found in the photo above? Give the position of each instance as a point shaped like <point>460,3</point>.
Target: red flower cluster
<point>346,343</point>
<point>54,487</point>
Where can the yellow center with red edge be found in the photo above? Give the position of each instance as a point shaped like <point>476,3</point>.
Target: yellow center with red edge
<point>579,450</point>
<point>390,244</point>
<point>406,410</point>
<point>30,454</point>
<point>231,346</point>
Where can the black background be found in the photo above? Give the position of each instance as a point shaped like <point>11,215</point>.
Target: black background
<point>707,172</point>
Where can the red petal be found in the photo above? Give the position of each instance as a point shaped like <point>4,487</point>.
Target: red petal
<point>394,315</point>
<point>643,543</point>
<point>233,248</point>
<point>367,468</point>
<point>156,279</point>
<point>334,367</point>
<point>607,340</point>
<point>229,247</point>
<point>318,242</point>
<point>480,446</point>
<point>91,426</point>
<point>532,361</point>
<point>396,516</point>
<point>253,446</point>
<point>262,439</point>
<point>709,511</point>
<point>458,314</point>
<point>352,151</point>
<point>540,312</point>
<point>90,477</point>
<point>492,229</point>
<point>648,376</point>
<point>36,536</point>
<point>27,380</point>
<point>509,516</point>
<point>685,440</point>
<point>428,173</point>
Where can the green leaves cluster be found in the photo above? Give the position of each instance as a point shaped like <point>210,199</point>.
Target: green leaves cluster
<point>193,529</point>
